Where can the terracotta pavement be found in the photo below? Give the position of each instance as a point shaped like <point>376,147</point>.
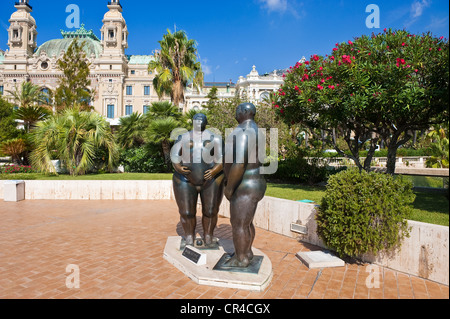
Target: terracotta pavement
<point>118,248</point>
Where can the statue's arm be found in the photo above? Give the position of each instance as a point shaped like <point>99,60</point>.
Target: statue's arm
<point>237,170</point>
<point>218,159</point>
<point>176,158</point>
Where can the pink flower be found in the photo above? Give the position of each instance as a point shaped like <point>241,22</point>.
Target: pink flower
<point>315,58</point>
<point>331,87</point>
<point>439,49</point>
<point>334,49</point>
<point>277,106</point>
<point>441,38</point>
<point>321,68</point>
<point>403,44</point>
<point>385,30</point>
<point>416,70</point>
<point>350,42</point>
<point>332,58</point>
<point>320,87</point>
<point>307,62</point>
<point>370,53</point>
<point>309,100</point>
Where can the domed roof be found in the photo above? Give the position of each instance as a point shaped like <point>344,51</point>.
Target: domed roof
<point>55,47</point>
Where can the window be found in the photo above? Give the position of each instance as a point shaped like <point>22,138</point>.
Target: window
<point>110,111</point>
<point>128,109</point>
<point>111,34</point>
<point>1,89</point>
<point>133,72</point>
<point>110,80</point>
<point>45,96</point>
<point>44,65</point>
<point>15,34</point>
<point>129,90</point>
<point>146,90</point>
<point>146,109</point>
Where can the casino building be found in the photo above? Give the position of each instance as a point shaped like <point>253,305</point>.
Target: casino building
<point>122,82</point>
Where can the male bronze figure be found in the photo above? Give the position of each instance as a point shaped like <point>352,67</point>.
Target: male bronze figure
<point>245,186</point>
<point>198,163</point>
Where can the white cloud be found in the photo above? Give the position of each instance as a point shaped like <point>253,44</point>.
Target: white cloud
<point>275,5</point>
<point>418,7</point>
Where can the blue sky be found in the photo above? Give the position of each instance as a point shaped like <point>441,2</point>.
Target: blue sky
<point>234,35</point>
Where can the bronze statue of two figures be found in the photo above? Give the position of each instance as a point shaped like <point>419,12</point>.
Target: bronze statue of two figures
<point>203,166</point>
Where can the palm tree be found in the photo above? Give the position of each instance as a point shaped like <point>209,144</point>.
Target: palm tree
<point>16,148</point>
<point>160,131</point>
<point>163,109</point>
<point>131,131</point>
<point>31,114</point>
<point>28,95</point>
<point>76,136</point>
<point>176,66</point>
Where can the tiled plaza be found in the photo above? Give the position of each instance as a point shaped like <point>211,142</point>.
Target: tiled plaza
<point>118,247</point>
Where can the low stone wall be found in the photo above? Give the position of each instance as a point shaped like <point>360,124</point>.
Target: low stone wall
<point>424,254</point>
<point>97,190</point>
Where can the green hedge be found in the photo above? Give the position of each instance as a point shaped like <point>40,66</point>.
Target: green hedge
<point>364,212</point>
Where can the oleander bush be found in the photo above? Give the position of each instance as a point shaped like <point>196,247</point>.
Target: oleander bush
<point>364,212</point>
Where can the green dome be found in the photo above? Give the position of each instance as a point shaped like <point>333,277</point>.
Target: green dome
<point>55,47</point>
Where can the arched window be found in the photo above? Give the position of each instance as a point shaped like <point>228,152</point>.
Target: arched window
<point>45,96</point>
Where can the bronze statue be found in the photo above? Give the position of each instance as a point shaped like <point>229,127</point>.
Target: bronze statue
<point>198,171</point>
<point>245,186</point>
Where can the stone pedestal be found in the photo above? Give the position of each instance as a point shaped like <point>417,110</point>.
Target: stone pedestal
<point>206,275</point>
<point>14,191</point>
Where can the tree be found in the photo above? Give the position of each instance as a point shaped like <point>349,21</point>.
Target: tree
<point>8,125</point>
<point>16,148</point>
<point>77,136</point>
<point>160,131</point>
<point>27,95</point>
<point>131,131</point>
<point>440,148</point>
<point>212,97</point>
<point>30,115</point>
<point>376,88</point>
<point>176,65</point>
<point>73,89</point>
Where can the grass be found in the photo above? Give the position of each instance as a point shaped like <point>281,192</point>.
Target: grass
<point>429,207</point>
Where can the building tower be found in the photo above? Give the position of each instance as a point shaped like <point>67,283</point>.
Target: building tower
<point>22,43</point>
<point>113,61</point>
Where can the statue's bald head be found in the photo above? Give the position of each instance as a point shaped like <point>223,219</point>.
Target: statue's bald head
<point>245,111</point>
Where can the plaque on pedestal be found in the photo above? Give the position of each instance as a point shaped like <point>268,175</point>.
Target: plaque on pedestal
<point>194,255</point>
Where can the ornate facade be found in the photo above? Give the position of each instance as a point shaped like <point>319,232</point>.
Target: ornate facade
<point>122,82</point>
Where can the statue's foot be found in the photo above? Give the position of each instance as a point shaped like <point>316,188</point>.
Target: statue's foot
<point>235,262</point>
<point>210,240</point>
<point>189,240</point>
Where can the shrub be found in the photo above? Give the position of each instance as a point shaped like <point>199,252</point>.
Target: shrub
<point>142,160</point>
<point>16,169</point>
<point>364,212</point>
<point>298,170</point>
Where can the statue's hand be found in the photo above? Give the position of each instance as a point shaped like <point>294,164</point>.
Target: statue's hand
<point>209,175</point>
<point>182,170</point>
